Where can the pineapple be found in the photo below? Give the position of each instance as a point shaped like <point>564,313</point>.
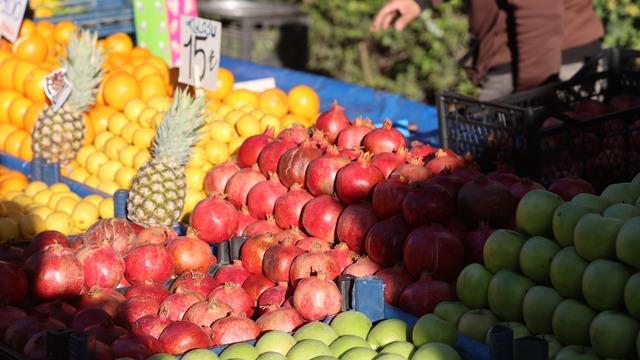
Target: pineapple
<point>157,194</point>
<point>58,135</point>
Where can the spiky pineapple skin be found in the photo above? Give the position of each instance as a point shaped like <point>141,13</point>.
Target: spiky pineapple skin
<point>157,194</point>
<point>58,135</point>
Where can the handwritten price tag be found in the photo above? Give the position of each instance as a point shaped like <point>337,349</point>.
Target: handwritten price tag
<point>57,88</point>
<point>199,52</point>
<point>11,15</point>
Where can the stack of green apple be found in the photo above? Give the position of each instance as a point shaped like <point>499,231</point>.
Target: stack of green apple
<point>349,336</point>
<point>570,275</point>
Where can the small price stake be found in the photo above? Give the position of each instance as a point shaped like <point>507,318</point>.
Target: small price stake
<point>11,15</point>
<point>57,88</point>
<point>199,52</point>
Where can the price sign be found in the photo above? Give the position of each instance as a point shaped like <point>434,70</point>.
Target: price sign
<point>57,88</point>
<point>199,51</point>
<point>11,15</point>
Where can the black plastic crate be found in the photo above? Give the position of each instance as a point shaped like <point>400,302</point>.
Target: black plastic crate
<point>509,131</point>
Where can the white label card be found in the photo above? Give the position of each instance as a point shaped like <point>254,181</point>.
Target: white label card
<point>57,88</point>
<point>257,85</point>
<point>11,15</point>
<point>199,52</point>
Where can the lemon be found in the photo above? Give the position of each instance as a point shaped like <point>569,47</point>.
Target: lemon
<point>232,116</point>
<point>191,199</point>
<point>79,175</point>
<point>113,146</point>
<point>42,211</point>
<point>84,214</point>
<point>23,200</point>
<point>34,187</point>
<point>100,140</point>
<point>198,157</point>
<point>14,215</point>
<point>9,231</point>
<point>31,207</point>
<point>269,120</point>
<point>59,187</point>
<point>194,177</point>
<point>83,154</point>
<point>95,161</point>
<point>224,109</point>
<point>156,120</point>
<point>141,157</point>
<point>108,170</point>
<point>133,109</point>
<point>128,132</point>
<point>95,199</point>
<point>66,204</point>
<point>54,199</point>
<point>31,225</point>
<point>234,144</point>
<point>43,196</point>
<point>145,119</point>
<point>216,152</point>
<point>59,221</point>
<point>143,138</point>
<point>92,181</point>
<point>109,187</point>
<point>124,177</point>
<point>257,113</point>
<point>127,154</point>
<point>221,131</point>
<point>159,103</point>
<point>9,195</point>
<point>247,108</point>
<point>248,125</point>
<point>106,208</point>
<point>116,123</point>
<point>214,116</point>
<point>9,205</point>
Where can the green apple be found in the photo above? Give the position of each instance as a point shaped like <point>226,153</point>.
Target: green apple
<point>359,353</point>
<point>200,354</point>
<point>431,328</point>
<point>476,324</point>
<point>472,286</point>
<point>595,236</point>
<point>402,348</point>
<point>535,258</point>
<point>385,356</point>
<point>603,284</point>
<point>622,193</point>
<point>636,180</point>
<point>622,212</point>
<point>591,201</point>
<point>316,330</point>
<point>275,341</point>
<point>565,219</point>
<point>537,308</point>
<point>566,272</point>
<point>576,352</point>
<point>351,323</point>
<point>632,294</point>
<point>240,351</point>
<point>627,243</point>
<point>451,311</point>
<point>271,355</point>
<point>534,213</point>
<point>308,349</point>
<point>638,344</point>
<point>613,334</point>
<point>388,331</point>
<point>325,357</point>
<point>553,344</point>
<point>435,351</point>
<point>519,329</point>
<point>502,250</point>
<point>345,342</point>
<point>163,356</point>
<point>506,294</point>
<point>571,322</point>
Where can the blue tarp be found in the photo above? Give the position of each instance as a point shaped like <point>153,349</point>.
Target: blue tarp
<point>357,100</point>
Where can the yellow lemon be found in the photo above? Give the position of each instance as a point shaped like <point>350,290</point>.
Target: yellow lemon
<point>95,199</point>
<point>3,210</point>
<point>257,113</point>
<point>143,138</point>
<point>248,125</point>
<point>84,214</point>
<point>95,161</point>
<point>247,108</point>
<point>31,225</point>
<point>124,177</point>
<point>23,200</point>
<point>79,175</point>
<point>198,157</point>
<point>270,121</point>
<point>92,181</point>
<point>29,208</point>
<point>233,116</point>
<point>9,205</point>
<point>106,208</point>
<point>216,152</point>
<point>66,204</point>
<point>214,116</point>
<point>101,139</point>
<point>59,221</point>
<point>108,170</point>
<point>128,132</point>
<point>141,158</point>
<point>191,199</point>
<point>113,146</point>
<point>108,187</point>
<point>159,103</point>
<point>83,154</point>
<point>43,196</point>
<point>221,131</point>
<point>133,109</point>
<point>9,231</point>
<point>59,187</point>
<point>9,195</point>
<point>34,187</point>
<point>195,178</point>
<point>234,144</point>
<point>127,154</point>
<point>224,109</point>
<point>145,119</point>
<point>14,215</point>
<point>42,211</point>
<point>116,123</point>
<point>156,120</point>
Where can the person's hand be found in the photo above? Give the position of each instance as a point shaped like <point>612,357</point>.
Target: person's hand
<point>403,11</point>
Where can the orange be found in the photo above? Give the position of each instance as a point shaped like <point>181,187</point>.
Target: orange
<point>304,101</point>
<point>224,84</point>
<point>143,70</point>
<point>99,117</point>
<point>6,98</point>
<point>6,73</point>
<point>5,131</point>
<point>32,48</point>
<point>25,149</point>
<point>32,86</point>
<point>20,73</point>
<point>14,141</point>
<point>116,60</point>
<point>241,97</point>
<point>119,89</point>
<point>152,85</point>
<point>63,31</point>
<point>4,54</point>
<point>28,28</point>
<point>45,29</point>
<point>135,62</point>
<point>118,43</point>
<point>159,64</point>
<point>274,101</point>
<point>13,183</point>
<point>17,110</point>
<point>89,132</point>
<point>31,116</point>
<point>139,52</point>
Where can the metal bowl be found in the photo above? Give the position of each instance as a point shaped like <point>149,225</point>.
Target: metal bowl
<point>246,9</point>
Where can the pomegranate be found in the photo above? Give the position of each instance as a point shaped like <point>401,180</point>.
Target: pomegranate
<point>106,331</point>
<point>58,310</point>
<point>273,296</point>
<point>297,134</point>
<point>568,187</point>
<point>427,203</point>
<point>449,182</point>
<point>385,240</point>
<point>251,147</point>
<point>195,281</point>
<point>522,187</point>
<point>504,177</point>
<point>252,252</point>
<point>485,200</point>
<point>89,317</point>
<point>115,232</point>
<point>240,183</point>
<point>103,351</point>
<point>320,215</point>
<point>231,273</point>
<point>256,284</point>
<point>353,224</point>
<point>384,139</point>
<point>457,228</point>
<point>333,121</point>
<point>106,299</point>
<point>387,162</point>
<point>43,239</point>
<point>102,266</point>
<point>151,262</point>
<point>204,313</point>
<point>355,181</point>
<point>422,150</point>
<point>36,346</point>
<point>234,296</point>
<point>134,308</point>
<point>8,316</point>
<point>292,165</point>
<point>263,195</point>
<point>444,160</point>
<point>474,244</point>
<point>351,136</point>
<point>313,263</point>
<point>190,254</point>
<point>319,140</point>
<point>232,329</point>
<point>244,220</point>
<point>18,333</point>
<point>414,171</point>
<point>54,273</point>
<point>214,219</point>
<point>362,267</point>
<point>277,260</point>
<point>262,227</point>
<point>155,235</point>
<point>309,243</point>
<point>321,173</point>
<point>342,256</point>
<point>395,279</point>
<point>216,178</point>
<point>287,209</point>
<point>13,284</point>
<point>136,347</point>
<point>422,296</point>
<point>283,319</point>
<point>387,196</point>
<point>434,250</point>
<point>351,154</point>
<point>152,325</point>
<point>12,254</point>
<point>155,291</point>
<point>270,155</point>
<point>467,173</point>
<point>174,306</point>
<point>293,234</point>
<point>316,298</point>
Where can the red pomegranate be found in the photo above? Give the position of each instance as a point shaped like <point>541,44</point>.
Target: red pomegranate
<point>106,331</point>
<point>294,234</point>
<point>54,273</point>
<point>309,243</point>
<point>466,173</point>
<point>387,196</point>
<point>413,170</point>
<point>214,219</point>
<point>216,178</point>
<point>422,296</point>
<point>251,147</point>
<point>175,305</point>
<point>252,252</point>
<point>355,181</point>
<point>89,317</point>
<point>152,325</point>
<point>43,240</point>
<point>362,267</point>
<point>181,336</point>
<point>568,187</point>
<point>232,329</point>
<point>384,139</point>
<point>395,279</point>
<point>449,182</point>
<point>106,299</point>
<point>190,254</point>
<point>342,255</point>
<point>13,284</point>
<point>195,281</point>
<point>474,244</point>
<point>8,316</point>
<point>277,260</point>
<point>283,319</point>
<point>434,250</point>
<point>151,262</point>
<point>353,224</point>
<point>155,291</point>
<point>17,335</point>
<point>12,254</point>
<point>36,347</point>
<point>444,160</point>
<point>135,347</point>
<point>262,227</point>
<point>115,232</point>
<point>205,313</point>
<point>522,187</point>
<point>134,308</point>
<point>58,310</point>
<point>270,155</point>
<point>231,273</point>
<point>256,284</point>
<point>485,200</point>
<point>155,235</point>
<point>244,220</point>
<point>234,296</point>
<point>297,134</point>
<point>422,150</point>
<point>333,121</point>
<point>273,296</point>
<point>504,177</point>
<point>387,162</point>
<point>316,298</point>
<point>320,216</point>
<point>288,208</point>
<point>351,136</point>
<point>427,203</point>
<point>385,240</point>
<point>263,195</point>
<point>313,263</point>
<point>102,266</point>
<point>321,173</point>
<point>292,165</point>
<point>240,183</point>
